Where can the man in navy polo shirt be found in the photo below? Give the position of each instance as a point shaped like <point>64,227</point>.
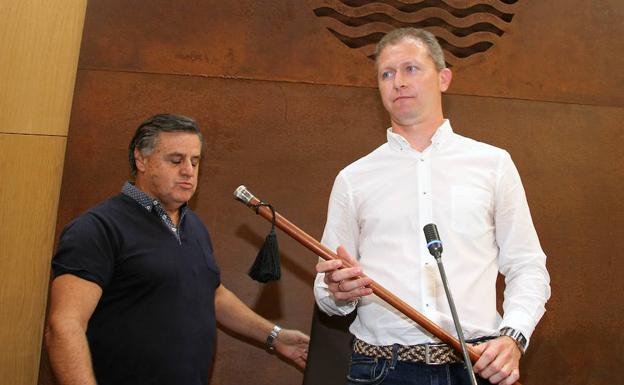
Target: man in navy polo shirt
<point>136,293</point>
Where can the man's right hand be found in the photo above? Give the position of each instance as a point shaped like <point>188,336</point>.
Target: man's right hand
<point>346,284</point>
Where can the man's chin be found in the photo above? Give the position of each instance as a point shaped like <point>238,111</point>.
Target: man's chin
<point>183,197</point>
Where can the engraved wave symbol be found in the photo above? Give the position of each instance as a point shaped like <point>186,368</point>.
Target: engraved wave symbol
<point>465,29</point>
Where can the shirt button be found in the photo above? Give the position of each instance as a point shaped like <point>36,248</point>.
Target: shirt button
<point>424,193</point>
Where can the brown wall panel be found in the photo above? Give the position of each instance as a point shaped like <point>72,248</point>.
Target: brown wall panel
<point>563,50</point>
<point>285,105</point>
<point>569,157</point>
<point>289,143</point>
<point>277,138</point>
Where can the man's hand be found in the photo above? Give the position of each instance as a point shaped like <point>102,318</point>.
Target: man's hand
<point>293,345</point>
<point>499,362</point>
<point>345,284</point>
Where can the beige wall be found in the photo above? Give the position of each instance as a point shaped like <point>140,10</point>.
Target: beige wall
<point>39,45</point>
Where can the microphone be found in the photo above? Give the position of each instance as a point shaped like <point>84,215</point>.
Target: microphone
<point>434,244</point>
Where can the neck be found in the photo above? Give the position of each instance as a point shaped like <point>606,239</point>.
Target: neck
<point>174,215</point>
<point>418,135</point>
<point>172,209</point>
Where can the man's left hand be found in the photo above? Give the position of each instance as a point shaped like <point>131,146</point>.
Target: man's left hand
<point>499,362</point>
<point>293,345</point>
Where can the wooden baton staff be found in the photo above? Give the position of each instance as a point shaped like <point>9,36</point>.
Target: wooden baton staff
<point>245,196</point>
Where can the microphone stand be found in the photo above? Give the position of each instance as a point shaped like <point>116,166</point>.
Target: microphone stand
<point>435,248</point>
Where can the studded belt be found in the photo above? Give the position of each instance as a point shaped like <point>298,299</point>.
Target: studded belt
<point>431,354</point>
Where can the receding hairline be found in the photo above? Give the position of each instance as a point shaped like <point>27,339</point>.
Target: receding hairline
<point>426,38</point>
<point>399,41</point>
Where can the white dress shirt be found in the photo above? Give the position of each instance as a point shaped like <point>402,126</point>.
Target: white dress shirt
<point>473,193</point>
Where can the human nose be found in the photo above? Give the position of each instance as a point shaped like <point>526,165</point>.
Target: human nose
<point>186,167</point>
<point>398,80</point>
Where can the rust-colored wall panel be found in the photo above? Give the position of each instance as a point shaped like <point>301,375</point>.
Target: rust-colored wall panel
<point>563,50</point>
<point>285,105</point>
<point>569,157</point>
<point>262,128</point>
<point>277,138</point>
<point>287,147</point>
<point>279,40</point>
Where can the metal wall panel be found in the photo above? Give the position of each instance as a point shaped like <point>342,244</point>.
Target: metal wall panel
<point>285,105</point>
<point>558,50</point>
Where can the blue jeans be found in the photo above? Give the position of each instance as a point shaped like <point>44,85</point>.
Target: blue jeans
<point>365,370</point>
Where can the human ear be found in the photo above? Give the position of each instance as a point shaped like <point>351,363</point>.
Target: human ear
<point>139,160</point>
<point>445,76</point>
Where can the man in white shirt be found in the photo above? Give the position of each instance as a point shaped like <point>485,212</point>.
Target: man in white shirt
<point>426,173</point>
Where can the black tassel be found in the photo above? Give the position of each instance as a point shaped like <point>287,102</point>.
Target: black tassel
<point>266,267</point>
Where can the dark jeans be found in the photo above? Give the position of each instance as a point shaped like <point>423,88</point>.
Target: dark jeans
<point>365,370</point>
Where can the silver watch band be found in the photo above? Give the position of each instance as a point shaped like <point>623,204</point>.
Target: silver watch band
<point>517,336</point>
<point>272,337</point>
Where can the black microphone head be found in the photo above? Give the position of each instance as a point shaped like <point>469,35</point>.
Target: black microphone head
<point>434,244</point>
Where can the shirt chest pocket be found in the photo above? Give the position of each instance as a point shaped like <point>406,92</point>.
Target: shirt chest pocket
<point>471,210</point>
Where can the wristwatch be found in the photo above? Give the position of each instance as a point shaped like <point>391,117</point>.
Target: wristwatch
<point>517,336</point>
<point>272,337</point>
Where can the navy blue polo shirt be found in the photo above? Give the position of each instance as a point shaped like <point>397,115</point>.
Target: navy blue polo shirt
<point>155,322</point>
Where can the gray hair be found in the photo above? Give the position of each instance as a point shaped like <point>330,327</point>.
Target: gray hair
<point>146,136</point>
<point>427,38</point>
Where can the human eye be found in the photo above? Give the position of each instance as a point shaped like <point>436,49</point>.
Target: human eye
<point>386,74</point>
<point>195,161</point>
<point>411,68</point>
<point>175,159</point>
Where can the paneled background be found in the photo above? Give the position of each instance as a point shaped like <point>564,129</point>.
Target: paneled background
<point>285,104</point>
<point>39,44</point>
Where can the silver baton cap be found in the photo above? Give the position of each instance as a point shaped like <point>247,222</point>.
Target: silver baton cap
<point>242,194</point>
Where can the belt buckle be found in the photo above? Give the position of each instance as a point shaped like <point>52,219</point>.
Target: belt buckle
<point>427,356</point>
<point>428,352</point>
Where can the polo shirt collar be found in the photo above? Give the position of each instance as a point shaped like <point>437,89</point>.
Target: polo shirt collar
<point>149,203</point>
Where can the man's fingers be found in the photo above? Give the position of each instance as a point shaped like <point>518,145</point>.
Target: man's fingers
<point>325,266</point>
<point>485,357</point>
<point>342,275</point>
<point>353,284</point>
<point>342,253</point>
<point>513,377</point>
<point>498,362</point>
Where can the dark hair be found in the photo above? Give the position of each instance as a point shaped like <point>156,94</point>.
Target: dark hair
<point>426,37</point>
<point>146,135</point>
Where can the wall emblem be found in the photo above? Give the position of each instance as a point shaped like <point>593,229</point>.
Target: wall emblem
<point>465,29</point>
